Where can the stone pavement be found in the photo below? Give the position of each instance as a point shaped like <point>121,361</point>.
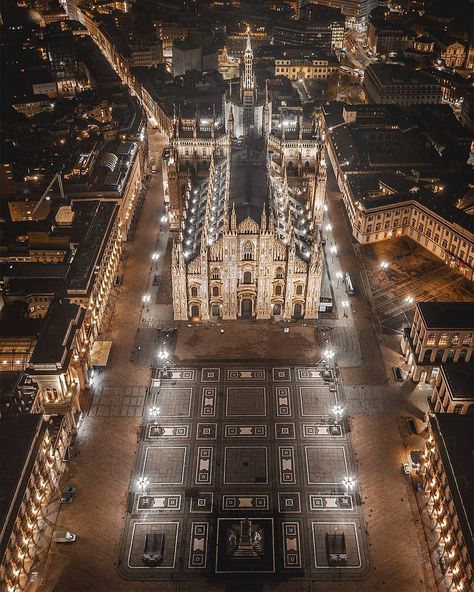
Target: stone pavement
<point>243,441</point>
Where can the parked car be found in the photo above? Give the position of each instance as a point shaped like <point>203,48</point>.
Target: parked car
<point>69,490</point>
<point>63,536</point>
<point>66,499</point>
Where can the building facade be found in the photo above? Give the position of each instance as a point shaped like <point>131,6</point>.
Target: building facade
<point>448,485</point>
<point>248,213</point>
<point>453,391</point>
<point>441,332</point>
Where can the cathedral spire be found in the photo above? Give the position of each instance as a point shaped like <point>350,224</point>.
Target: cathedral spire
<point>249,78</point>
<point>233,220</point>
<point>263,221</point>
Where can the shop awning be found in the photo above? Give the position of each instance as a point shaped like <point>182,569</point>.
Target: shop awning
<point>100,353</point>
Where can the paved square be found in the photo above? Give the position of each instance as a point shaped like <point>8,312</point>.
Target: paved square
<point>316,401</point>
<point>243,452</point>
<point>165,465</point>
<point>175,402</point>
<point>246,401</point>
<point>325,464</point>
<point>139,530</point>
<point>349,529</point>
<point>245,465</point>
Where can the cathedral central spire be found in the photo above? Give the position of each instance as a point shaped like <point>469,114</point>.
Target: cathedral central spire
<point>249,78</point>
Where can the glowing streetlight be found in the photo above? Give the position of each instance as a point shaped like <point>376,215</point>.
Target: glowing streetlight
<point>409,299</point>
<point>329,354</point>
<point>338,412</point>
<point>334,249</point>
<point>345,306</point>
<point>146,298</point>
<point>384,265</point>
<point>163,354</point>
<point>143,483</point>
<point>328,227</point>
<point>155,412</point>
<point>349,484</point>
<point>339,275</point>
<point>164,218</point>
<point>155,256</point>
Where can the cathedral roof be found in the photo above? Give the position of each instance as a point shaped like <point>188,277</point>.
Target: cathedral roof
<point>248,180</point>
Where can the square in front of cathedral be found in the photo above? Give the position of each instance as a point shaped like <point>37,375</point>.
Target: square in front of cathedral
<point>246,401</point>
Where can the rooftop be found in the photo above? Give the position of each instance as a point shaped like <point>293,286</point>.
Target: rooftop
<point>447,315</point>
<point>460,378</point>
<point>18,436</point>
<point>454,436</point>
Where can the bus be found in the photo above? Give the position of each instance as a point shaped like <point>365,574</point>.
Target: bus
<point>349,286</point>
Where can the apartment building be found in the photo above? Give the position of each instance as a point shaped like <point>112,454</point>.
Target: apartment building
<point>441,332</point>
<point>33,452</point>
<point>399,85</point>
<point>453,391</point>
<point>302,67</point>
<point>449,484</point>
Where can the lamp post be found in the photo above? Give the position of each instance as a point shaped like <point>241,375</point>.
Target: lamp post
<point>155,256</point>
<point>338,412</point>
<point>146,298</point>
<point>349,484</point>
<point>333,251</point>
<point>345,306</point>
<point>384,265</point>
<point>329,354</point>
<point>143,483</point>
<point>409,299</point>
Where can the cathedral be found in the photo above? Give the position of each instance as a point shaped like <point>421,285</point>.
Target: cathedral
<point>247,210</point>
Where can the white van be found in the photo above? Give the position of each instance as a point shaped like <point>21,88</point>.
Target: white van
<point>63,536</point>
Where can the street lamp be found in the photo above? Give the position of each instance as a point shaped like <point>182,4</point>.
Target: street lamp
<point>329,354</point>
<point>164,218</point>
<point>163,354</point>
<point>345,306</point>
<point>338,412</point>
<point>409,299</point>
<point>143,483</point>
<point>328,227</point>
<point>146,298</point>
<point>155,256</point>
<point>384,265</point>
<point>334,249</point>
<point>349,484</point>
<point>155,412</point>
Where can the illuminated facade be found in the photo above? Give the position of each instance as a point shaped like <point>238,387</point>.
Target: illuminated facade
<point>448,482</point>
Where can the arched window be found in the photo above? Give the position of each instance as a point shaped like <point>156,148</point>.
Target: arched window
<point>195,311</point>
<point>462,355</point>
<point>247,277</point>
<point>215,310</point>
<point>470,409</point>
<point>278,290</point>
<point>427,356</point>
<point>450,354</point>
<point>248,251</point>
<point>215,291</point>
<point>215,275</point>
<point>299,289</point>
<point>277,311</point>
<point>439,355</point>
<point>194,292</point>
<point>279,274</point>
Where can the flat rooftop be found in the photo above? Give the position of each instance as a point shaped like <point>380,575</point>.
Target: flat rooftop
<point>447,315</point>
<point>460,378</point>
<point>454,436</point>
<point>18,434</point>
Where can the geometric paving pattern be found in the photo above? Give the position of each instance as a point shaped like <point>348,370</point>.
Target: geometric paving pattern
<point>242,452</point>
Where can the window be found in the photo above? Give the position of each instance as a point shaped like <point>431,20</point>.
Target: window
<point>466,340</point>
<point>454,340</point>
<point>279,273</point>
<point>443,339</point>
<point>215,274</point>
<point>194,311</point>
<point>215,310</point>
<point>299,289</point>
<point>277,309</point>
<point>247,277</point>
<point>278,290</point>
<point>215,291</point>
<point>458,408</point>
<point>450,354</point>
<point>431,339</point>
<point>194,292</point>
<point>248,251</point>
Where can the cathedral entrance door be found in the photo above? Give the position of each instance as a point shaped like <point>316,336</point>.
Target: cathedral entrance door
<point>298,312</point>
<point>246,308</point>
